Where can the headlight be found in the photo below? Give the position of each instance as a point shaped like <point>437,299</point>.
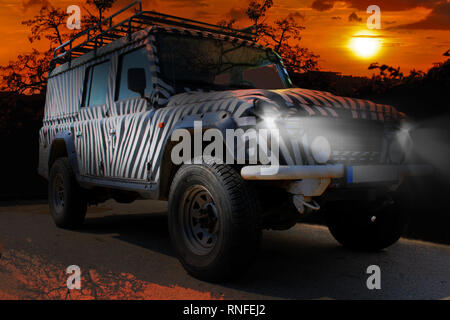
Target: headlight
<point>400,147</point>
<point>270,122</point>
<point>268,112</point>
<point>321,150</point>
<point>396,152</point>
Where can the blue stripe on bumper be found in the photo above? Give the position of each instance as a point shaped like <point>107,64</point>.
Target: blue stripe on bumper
<point>349,174</point>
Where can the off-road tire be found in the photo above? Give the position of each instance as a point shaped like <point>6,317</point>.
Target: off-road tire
<point>238,217</point>
<point>66,199</point>
<point>352,226</point>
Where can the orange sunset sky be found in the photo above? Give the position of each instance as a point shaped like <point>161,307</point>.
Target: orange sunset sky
<point>414,34</point>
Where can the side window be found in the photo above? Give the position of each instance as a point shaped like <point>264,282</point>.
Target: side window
<point>133,59</point>
<point>96,85</point>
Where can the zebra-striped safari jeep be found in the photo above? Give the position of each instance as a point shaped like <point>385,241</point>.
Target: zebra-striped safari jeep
<point>123,102</point>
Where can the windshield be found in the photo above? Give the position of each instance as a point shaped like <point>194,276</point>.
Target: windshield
<point>202,62</point>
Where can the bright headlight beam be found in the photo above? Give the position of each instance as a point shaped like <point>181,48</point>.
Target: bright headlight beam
<point>321,150</point>
<point>270,122</point>
<point>400,147</point>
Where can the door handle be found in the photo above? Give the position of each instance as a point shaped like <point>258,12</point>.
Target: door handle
<point>112,131</point>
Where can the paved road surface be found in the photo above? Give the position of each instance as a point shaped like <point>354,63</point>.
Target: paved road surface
<point>124,252</point>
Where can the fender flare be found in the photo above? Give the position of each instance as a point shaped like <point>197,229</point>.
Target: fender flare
<point>220,120</point>
<point>67,137</point>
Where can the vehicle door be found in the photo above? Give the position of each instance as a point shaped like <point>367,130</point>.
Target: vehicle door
<point>89,134</point>
<point>133,119</point>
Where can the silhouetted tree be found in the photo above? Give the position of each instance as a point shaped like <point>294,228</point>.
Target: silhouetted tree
<point>284,36</point>
<point>439,74</point>
<point>284,30</point>
<point>386,72</point>
<point>256,12</point>
<point>101,7</point>
<point>47,24</point>
<point>227,23</point>
<point>298,59</point>
<point>27,74</point>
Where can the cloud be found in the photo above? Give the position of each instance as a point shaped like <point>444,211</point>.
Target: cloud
<point>445,44</point>
<point>33,2</point>
<point>438,19</point>
<point>187,3</point>
<point>387,5</point>
<point>336,18</point>
<point>296,15</point>
<point>203,13</point>
<point>323,5</point>
<point>26,4</point>
<point>353,17</point>
<point>392,44</point>
<point>237,13</point>
<point>234,16</point>
<point>371,36</point>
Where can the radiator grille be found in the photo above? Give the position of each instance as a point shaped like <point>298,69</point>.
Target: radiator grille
<point>352,141</point>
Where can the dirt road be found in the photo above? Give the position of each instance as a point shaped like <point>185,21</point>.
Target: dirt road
<point>124,252</point>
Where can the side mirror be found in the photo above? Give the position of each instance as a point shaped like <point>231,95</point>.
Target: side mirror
<point>137,81</point>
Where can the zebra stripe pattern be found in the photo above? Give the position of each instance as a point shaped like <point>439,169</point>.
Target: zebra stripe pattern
<point>123,139</point>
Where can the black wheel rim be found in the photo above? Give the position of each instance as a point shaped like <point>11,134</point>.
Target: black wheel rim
<point>199,219</point>
<point>58,192</point>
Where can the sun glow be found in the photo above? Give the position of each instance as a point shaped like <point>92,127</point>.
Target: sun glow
<point>365,46</point>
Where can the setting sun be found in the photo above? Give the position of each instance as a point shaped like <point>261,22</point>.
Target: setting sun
<point>365,46</point>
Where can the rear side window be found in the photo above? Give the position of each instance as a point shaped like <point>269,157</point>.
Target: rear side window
<point>133,59</point>
<point>96,86</point>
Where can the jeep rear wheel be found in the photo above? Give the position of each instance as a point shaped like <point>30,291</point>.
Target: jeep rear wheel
<point>366,227</point>
<point>213,221</point>
<point>67,202</point>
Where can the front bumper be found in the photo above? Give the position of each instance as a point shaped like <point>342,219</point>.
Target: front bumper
<point>352,174</point>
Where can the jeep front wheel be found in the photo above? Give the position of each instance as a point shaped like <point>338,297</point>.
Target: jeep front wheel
<point>67,202</point>
<point>213,221</point>
<point>366,227</point>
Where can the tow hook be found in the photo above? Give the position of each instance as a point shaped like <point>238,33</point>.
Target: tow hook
<point>300,203</point>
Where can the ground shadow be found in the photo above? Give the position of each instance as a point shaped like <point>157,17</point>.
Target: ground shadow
<point>145,230</point>
<point>303,263</point>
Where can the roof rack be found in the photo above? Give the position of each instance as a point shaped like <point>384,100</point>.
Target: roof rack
<point>95,37</point>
